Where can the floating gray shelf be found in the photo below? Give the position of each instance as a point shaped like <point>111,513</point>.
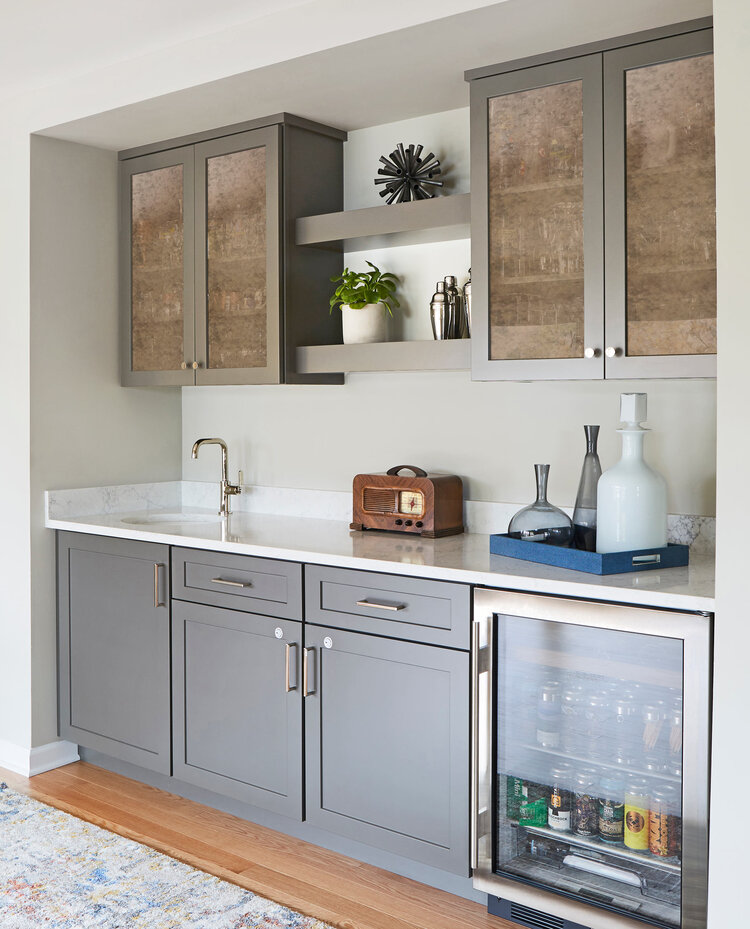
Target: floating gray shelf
<point>436,220</point>
<point>451,355</point>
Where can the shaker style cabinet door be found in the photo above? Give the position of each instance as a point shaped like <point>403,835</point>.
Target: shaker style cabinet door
<point>387,744</point>
<point>237,704</point>
<point>661,209</point>
<point>238,259</point>
<point>156,269</point>
<point>537,222</point>
<point>113,647</point>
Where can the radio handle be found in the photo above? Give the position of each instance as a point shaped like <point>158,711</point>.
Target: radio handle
<point>418,472</point>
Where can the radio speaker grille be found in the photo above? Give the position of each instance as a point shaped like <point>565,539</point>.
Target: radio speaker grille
<point>379,500</point>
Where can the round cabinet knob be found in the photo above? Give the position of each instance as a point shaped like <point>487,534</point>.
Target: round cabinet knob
<point>195,365</point>
<point>610,351</point>
<point>591,352</point>
<point>184,365</point>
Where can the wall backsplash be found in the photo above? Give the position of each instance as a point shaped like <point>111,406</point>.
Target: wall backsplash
<point>491,433</point>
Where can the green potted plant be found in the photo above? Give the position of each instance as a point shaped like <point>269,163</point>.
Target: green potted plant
<point>365,297</point>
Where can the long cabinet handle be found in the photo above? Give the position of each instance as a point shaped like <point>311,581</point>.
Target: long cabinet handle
<point>306,689</point>
<point>157,601</point>
<point>478,667</point>
<point>393,607</point>
<point>289,647</point>
<point>221,580</point>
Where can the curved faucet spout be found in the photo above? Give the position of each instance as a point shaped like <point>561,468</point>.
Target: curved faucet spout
<point>227,489</point>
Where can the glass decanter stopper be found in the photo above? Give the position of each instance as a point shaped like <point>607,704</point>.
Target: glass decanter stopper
<point>541,522</point>
<point>584,514</point>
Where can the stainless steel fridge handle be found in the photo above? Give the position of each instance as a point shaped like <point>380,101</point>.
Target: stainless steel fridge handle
<point>476,671</point>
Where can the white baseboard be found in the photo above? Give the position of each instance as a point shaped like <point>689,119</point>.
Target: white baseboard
<point>31,761</point>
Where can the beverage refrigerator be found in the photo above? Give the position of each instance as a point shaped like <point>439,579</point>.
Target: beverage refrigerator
<point>590,768</point>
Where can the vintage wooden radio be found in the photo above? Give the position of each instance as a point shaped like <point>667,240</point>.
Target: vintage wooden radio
<point>427,505</point>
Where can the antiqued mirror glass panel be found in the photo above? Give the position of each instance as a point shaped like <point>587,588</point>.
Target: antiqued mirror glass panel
<point>671,208</point>
<point>157,269</point>
<point>236,259</point>
<point>536,223</point>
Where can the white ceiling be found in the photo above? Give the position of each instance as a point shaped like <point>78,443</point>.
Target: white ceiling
<point>43,41</point>
<point>380,79</point>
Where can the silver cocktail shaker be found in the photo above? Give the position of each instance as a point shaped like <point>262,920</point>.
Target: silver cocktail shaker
<point>456,300</point>
<point>441,313</point>
<point>467,306</point>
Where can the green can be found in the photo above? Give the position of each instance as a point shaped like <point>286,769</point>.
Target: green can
<point>514,796</point>
<point>533,811</point>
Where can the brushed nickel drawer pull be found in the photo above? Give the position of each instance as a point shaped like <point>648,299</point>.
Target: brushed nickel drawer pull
<point>289,647</point>
<point>306,689</point>
<point>157,601</point>
<point>393,607</point>
<point>221,580</point>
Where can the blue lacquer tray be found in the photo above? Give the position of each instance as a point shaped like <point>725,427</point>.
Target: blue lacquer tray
<point>671,556</point>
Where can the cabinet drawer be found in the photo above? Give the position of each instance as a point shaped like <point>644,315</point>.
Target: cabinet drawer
<point>411,608</point>
<point>240,582</point>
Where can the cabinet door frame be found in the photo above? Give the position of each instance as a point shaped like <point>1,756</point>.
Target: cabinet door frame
<point>616,63</point>
<point>587,69</point>
<point>455,857</point>
<point>152,553</point>
<point>289,804</point>
<point>177,156</point>
<point>269,138</point>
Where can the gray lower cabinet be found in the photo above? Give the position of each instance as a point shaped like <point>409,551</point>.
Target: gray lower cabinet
<point>387,744</point>
<point>237,705</point>
<point>113,647</point>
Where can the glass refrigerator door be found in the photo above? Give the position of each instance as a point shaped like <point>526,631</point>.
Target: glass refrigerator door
<point>588,764</point>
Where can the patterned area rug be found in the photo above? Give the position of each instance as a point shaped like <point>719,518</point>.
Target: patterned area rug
<point>59,872</point>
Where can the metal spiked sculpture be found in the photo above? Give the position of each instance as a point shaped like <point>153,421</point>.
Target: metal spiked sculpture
<point>406,174</point>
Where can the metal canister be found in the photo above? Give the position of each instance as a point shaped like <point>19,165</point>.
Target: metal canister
<point>663,821</point>
<point>560,798</point>
<point>457,302</point>
<point>611,810</point>
<point>636,814</point>
<point>585,805</point>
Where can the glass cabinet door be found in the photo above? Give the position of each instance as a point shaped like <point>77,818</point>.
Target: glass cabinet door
<point>237,259</point>
<point>597,771</point>
<point>660,184</point>
<point>156,263</point>
<point>537,225</point>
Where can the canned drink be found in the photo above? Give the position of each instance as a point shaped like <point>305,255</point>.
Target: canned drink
<point>533,807</point>
<point>611,810</point>
<point>514,795</point>
<point>571,717</point>
<point>585,804</point>
<point>662,822</point>
<point>636,814</point>
<point>560,799</point>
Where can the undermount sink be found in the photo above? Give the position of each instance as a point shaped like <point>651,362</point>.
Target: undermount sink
<point>162,517</point>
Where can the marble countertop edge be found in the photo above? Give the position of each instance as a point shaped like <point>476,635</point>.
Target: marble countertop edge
<point>462,559</point>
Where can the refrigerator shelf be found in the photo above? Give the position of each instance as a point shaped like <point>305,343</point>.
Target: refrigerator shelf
<point>614,851</point>
<point>559,755</point>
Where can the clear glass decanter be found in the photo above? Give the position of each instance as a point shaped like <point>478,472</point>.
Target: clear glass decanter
<point>541,522</point>
<point>584,514</point>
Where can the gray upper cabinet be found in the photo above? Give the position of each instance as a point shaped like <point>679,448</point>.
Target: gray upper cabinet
<point>237,705</point>
<point>593,240</point>
<point>387,744</point>
<point>113,648</point>
<point>214,288</point>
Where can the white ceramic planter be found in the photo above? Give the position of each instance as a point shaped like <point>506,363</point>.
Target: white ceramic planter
<point>365,325</point>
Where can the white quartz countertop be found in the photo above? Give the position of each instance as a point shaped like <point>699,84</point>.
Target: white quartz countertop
<point>464,558</point>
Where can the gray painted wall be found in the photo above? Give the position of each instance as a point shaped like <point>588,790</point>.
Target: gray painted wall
<point>86,429</point>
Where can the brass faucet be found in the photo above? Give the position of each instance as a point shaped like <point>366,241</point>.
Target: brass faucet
<point>227,490</point>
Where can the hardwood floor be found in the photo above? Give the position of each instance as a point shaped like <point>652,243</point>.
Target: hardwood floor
<point>311,880</point>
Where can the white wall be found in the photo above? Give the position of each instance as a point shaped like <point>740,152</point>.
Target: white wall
<point>489,433</point>
<point>731,747</point>
<point>86,428</point>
